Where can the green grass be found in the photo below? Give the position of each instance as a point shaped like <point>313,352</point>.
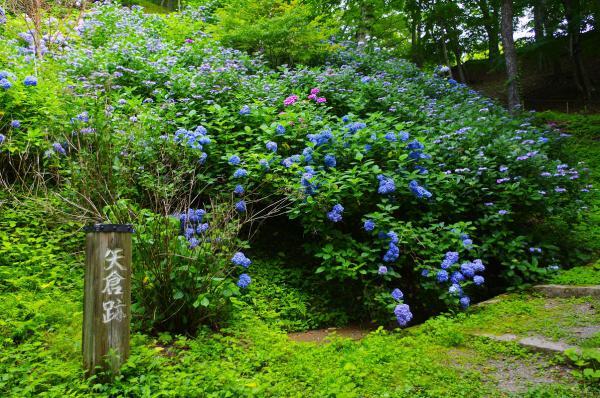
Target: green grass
<point>40,338</point>
<point>589,275</point>
<point>525,315</point>
<point>582,146</point>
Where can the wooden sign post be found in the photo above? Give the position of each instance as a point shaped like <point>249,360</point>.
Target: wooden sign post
<point>107,297</point>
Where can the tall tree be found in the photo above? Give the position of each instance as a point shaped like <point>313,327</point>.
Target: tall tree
<point>539,17</point>
<point>510,55</point>
<point>574,17</point>
<point>490,19</point>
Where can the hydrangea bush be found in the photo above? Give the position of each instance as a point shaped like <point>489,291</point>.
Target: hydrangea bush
<point>409,185</point>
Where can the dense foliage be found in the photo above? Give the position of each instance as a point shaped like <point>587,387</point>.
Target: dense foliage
<point>405,185</point>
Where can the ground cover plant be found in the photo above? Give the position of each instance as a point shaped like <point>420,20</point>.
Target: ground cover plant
<point>393,194</point>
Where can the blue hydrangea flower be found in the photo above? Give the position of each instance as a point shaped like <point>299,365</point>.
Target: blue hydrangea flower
<point>392,253</point>
<point>5,84</point>
<point>193,243</point>
<point>335,214</point>
<point>240,206</point>
<point>382,270</point>
<point>30,81</point>
<point>415,145</point>
<point>386,185</point>
<point>403,314</point>
<point>321,138</point>
<point>307,153</point>
<point>467,243</point>
<point>202,228</point>
<point>369,225</point>
<point>189,232</point>
<point>397,294</point>
<point>425,272</point>
<point>238,190</point>
<point>330,161</point>
<point>418,190</point>
<point>465,301</point>
<point>193,139</point>
<point>240,259</point>
<point>404,136</point>
<point>280,129</point>
<point>240,173</point>
<point>356,126</point>
<point>478,280</point>
<point>2,138</point>
<point>272,146</point>
<point>442,276</point>
<point>391,137</point>
<point>455,289</point>
<point>203,157</point>
<point>244,281</point>
<point>456,277</point>
<point>393,236</point>
<point>264,163</point>
<point>234,160</point>
<point>450,259</point>
<point>478,266</point>
<point>15,124</point>
<point>58,148</point>
<point>245,110</point>
<point>467,269</point>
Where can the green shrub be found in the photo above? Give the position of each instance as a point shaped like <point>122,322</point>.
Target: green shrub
<point>286,32</point>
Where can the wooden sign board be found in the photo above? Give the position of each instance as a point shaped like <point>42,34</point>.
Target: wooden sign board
<point>107,297</point>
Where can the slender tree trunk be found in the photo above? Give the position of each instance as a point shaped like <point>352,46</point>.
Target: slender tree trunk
<point>510,55</point>
<point>539,16</point>
<point>573,17</point>
<point>490,28</point>
<point>446,59</point>
<point>459,65</point>
<point>367,14</point>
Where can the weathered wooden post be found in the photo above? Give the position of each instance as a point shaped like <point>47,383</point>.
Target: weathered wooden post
<point>107,297</point>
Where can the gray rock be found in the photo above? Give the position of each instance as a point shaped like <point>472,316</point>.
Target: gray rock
<point>568,291</point>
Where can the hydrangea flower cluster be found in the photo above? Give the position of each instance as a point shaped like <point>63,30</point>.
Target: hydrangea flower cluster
<point>403,314</point>
<point>393,251</point>
<point>313,96</point>
<point>335,214</point>
<point>291,100</point>
<point>192,226</point>
<point>241,260</point>
<point>386,185</point>
<point>330,161</point>
<point>196,139</point>
<point>418,190</point>
<point>457,275</point>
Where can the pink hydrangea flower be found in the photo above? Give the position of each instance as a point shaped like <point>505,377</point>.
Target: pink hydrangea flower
<point>312,97</point>
<point>321,100</point>
<point>314,91</point>
<point>290,100</point>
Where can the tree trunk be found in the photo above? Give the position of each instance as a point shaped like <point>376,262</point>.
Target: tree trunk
<point>539,15</point>
<point>459,66</point>
<point>446,59</point>
<point>491,28</point>
<point>510,55</point>
<point>573,17</point>
<point>367,14</point>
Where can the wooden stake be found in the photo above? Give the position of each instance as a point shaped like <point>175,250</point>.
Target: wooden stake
<point>107,297</point>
